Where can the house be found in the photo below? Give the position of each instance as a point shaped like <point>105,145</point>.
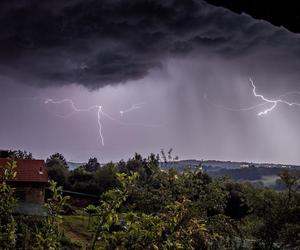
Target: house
<point>30,183</point>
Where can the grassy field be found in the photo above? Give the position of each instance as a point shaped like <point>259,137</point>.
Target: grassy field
<point>77,227</point>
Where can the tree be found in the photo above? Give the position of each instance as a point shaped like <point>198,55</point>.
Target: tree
<point>106,177</point>
<point>235,207</point>
<point>7,206</point>
<point>83,181</point>
<point>56,159</point>
<point>274,216</point>
<point>90,210</point>
<point>49,236</point>
<point>291,182</point>
<point>57,168</point>
<point>172,229</point>
<point>20,155</point>
<point>92,166</point>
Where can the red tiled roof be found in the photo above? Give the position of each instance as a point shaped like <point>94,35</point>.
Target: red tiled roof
<point>28,170</point>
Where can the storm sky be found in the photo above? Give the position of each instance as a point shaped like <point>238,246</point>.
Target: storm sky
<point>187,63</point>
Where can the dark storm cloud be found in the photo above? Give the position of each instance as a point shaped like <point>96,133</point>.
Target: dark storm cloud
<point>96,43</point>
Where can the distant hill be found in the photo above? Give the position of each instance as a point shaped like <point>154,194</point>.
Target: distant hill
<point>261,174</point>
<point>214,165</point>
<point>74,165</point>
<point>208,165</point>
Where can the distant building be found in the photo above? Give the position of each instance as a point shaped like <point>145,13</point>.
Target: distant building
<point>244,166</point>
<point>30,184</point>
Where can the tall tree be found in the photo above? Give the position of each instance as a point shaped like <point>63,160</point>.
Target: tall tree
<point>57,168</point>
<point>92,166</point>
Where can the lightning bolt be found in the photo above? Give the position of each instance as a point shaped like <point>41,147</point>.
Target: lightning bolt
<point>100,113</point>
<point>274,103</point>
<point>132,108</point>
<point>265,101</point>
<point>76,110</point>
<point>234,109</point>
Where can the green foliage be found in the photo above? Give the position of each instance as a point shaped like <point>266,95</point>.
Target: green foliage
<point>92,165</point>
<point>56,158</point>
<point>66,243</point>
<point>57,168</point>
<point>106,177</point>
<point>20,155</point>
<point>143,207</point>
<point>107,210</point>
<point>174,227</point>
<point>7,206</point>
<point>48,236</point>
<point>90,209</point>
<point>276,214</point>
